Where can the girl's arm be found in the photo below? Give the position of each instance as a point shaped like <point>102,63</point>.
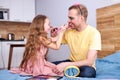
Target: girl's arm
<point>57,43</point>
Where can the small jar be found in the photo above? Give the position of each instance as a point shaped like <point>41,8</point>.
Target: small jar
<point>0,36</point>
<point>23,37</point>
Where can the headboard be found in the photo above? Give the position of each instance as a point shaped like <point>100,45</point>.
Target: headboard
<point>108,23</point>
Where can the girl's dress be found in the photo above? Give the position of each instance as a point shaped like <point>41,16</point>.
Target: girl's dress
<point>41,66</point>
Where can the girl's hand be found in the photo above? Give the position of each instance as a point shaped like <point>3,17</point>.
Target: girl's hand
<point>54,32</point>
<point>60,67</point>
<point>63,28</point>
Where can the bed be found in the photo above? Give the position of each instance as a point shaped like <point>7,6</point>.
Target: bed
<point>108,68</point>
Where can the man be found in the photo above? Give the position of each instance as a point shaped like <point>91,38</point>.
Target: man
<point>83,40</point>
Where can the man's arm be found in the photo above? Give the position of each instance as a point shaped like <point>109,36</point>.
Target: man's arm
<point>89,61</point>
<point>91,57</point>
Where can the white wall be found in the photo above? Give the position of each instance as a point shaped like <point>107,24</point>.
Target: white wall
<point>57,11</point>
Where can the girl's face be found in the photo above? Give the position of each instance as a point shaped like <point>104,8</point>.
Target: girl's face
<point>47,25</point>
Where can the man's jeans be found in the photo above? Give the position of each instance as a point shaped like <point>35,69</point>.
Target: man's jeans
<point>85,71</point>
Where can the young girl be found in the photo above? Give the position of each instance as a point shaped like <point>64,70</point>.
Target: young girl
<point>34,62</point>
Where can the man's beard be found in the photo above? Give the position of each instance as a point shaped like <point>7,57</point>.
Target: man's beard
<point>71,25</point>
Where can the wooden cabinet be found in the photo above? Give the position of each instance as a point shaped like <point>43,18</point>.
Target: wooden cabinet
<point>108,23</point>
<point>17,53</point>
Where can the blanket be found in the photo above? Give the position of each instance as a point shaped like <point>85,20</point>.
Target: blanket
<point>107,68</point>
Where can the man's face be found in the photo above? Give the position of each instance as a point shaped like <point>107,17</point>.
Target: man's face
<point>73,19</point>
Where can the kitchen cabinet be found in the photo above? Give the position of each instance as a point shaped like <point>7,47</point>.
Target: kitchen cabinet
<point>16,10</point>
<point>4,3</point>
<point>1,57</point>
<point>29,10</point>
<point>17,53</point>
<point>22,10</point>
<point>19,10</point>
